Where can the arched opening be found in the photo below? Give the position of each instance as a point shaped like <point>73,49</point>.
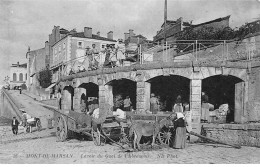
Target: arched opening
<point>124,94</point>
<point>89,97</point>
<point>21,77</point>
<point>167,88</point>
<point>221,90</point>
<point>14,77</point>
<point>68,97</point>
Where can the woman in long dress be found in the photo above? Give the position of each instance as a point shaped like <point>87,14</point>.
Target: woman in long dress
<point>180,131</point>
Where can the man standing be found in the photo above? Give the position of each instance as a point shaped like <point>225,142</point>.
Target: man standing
<point>15,124</point>
<point>94,52</point>
<point>127,104</point>
<point>154,104</point>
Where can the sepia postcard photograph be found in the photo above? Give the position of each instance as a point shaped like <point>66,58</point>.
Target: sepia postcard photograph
<point>129,82</point>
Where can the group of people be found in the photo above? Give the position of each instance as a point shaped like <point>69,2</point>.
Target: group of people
<point>16,123</point>
<point>111,56</point>
<point>155,104</point>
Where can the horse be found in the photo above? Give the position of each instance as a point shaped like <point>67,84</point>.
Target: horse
<point>141,128</point>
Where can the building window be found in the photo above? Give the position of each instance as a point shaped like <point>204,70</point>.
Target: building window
<point>25,76</point>
<point>14,76</point>
<point>103,46</point>
<point>80,44</point>
<point>20,77</point>
<point>64,46</point>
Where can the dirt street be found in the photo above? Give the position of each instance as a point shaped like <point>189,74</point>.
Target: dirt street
<point>41,147</point>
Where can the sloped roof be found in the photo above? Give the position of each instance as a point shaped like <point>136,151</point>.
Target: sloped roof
<point>212,21</point>
<point>81,35</point>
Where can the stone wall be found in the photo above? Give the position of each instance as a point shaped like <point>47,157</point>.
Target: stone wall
<point>8,107</point>
<point>243,134</point>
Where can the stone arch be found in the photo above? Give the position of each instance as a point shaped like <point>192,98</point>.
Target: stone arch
<point>168,88</point>
<point>88,94</point>
<point>120,89</point>
<point>67,98</point>
<point>90,79</point>
<point>183,72</point>
<point>207,72</point>
<point>131,75</point>
<point>225,89</point>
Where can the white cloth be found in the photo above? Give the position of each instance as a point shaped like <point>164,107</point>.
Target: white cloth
<point>120,113</point>
<point>179,115</point>
<point>96,113</point>
<point>121,51</point>
<point>31,120</point>
<point>27,116</point>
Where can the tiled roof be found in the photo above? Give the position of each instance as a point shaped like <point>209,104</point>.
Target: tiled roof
<point>81,35</point>
<point>212,21</point>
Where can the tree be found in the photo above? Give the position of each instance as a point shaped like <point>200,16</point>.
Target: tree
<point>45,78</point>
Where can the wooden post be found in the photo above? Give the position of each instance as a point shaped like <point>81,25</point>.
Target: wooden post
<point>214,140</point>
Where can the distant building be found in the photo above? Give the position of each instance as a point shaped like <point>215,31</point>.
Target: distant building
<point>18,74</point>
<point>172,28</point>
<point>132,42</point>
<point>38,60</point>
<point>72,45</point>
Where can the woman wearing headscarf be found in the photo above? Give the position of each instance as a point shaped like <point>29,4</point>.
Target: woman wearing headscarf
<point>180,131</point>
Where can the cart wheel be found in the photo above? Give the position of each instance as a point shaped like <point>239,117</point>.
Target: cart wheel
<point>96,137</point>
<point>38,125</point>
<point>165,137</point>
<point>61,129</point>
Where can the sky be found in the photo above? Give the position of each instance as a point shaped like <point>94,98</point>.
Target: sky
<point>26,23</point>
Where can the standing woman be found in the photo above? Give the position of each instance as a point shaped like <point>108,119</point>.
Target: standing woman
<point>178,105</point>
<point>180,131</point>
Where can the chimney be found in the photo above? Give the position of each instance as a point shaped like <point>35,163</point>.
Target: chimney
<point>131,33</point>
<point>126,35</point>
<point>98,33</point>
<point>88,32</point>
<point>110,35</point>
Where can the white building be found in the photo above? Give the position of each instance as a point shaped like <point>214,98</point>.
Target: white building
<point>18,74</point>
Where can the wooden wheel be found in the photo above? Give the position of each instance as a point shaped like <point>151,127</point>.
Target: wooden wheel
<point>165,137</point>
<point>38,125</point>
<point>61,129</point>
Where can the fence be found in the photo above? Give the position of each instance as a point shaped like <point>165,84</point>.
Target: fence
<point>183,50</point>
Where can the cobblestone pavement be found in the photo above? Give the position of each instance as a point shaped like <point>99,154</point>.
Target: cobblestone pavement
<point>44,149</point>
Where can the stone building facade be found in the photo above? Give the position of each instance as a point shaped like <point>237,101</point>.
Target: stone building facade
<point>18,74</point>
<point>38,60</point>
<point>195,73</point>
<point>72,46</point>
